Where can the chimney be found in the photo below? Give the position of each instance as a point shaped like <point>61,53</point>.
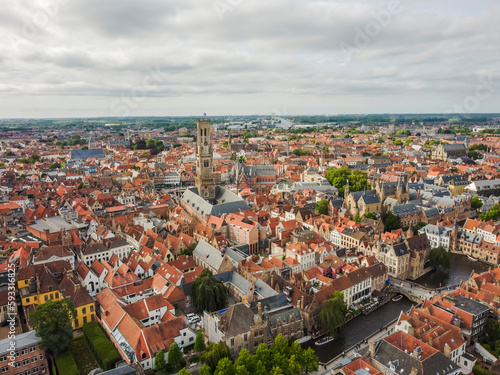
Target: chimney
<point>259,307</point>
<point>447,351</point>
<point>371,346</point>
<point>414,371</point>
<point>302,303</point>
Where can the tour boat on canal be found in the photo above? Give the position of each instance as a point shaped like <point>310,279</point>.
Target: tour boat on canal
<point>397,298</point>
<point>323,341</point>
<point>303,339</point>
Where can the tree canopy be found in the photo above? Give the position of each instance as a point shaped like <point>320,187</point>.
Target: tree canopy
<point>199,342</point>
<point>333,312</point>
<point>322,207</point>
<point>208,293</point>
<point>160,362</point>
<point>281,358</point>
<point>492,214</point>
<point>476,203</point>
<point>52,322</point>
<point>440,259</point>
<point>391,222</point>
<point>358,180</point>
<point>174,354</point>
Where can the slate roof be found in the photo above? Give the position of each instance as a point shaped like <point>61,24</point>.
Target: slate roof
<point>209,254</point>
<point>226,202</point>
<point>405,209</point>
<point>96,153</point>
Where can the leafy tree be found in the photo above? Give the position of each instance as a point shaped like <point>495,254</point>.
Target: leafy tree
<point>358,180</point>
<point>205,370</point>
<point>214,353</point>
<point>276,371</point>
<point>183,372</point>
<point>440,259</point>
<point>309,360</point>
<point>189,250</point>
<point>199,343</point>
<point>370,215</point>
<point>476,203</point>
<point>333,312</point>
<point>241,160</point>
<point>52,322</point>
<point>391,222</point>
<point>492,214</point>
<point>208,293</point>
<point>357,219</point>
<point>225,144</point>
<point>263,355</point>
<point>160,362</point>
<point>322,207</point>
<point>300,152</point>
<point>174,354</point>
<point>224,367</point>
<point>55,166</point>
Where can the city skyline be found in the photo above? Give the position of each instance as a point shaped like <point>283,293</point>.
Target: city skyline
<point>69,59</point>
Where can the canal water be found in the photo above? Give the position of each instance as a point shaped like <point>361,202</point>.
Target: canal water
<point>460,270</point>
<point>358,329</point>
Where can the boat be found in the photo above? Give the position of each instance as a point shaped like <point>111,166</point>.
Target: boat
<point>471,258</point>
<point>303,339</point>
<point>323,341</point>
<point>397,298</point>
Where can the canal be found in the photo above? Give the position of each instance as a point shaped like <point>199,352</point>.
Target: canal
<point>358,329</point>
<point>460,270</point>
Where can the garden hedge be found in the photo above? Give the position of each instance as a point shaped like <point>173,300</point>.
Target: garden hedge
<point>66,364</point>
<point>103,348</point>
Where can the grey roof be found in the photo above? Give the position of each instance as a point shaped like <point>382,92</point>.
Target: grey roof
<point>226,202</point>
<point>209,254</point>
<point>437,230</point>
<point>370,199</point>
<point>95,153</point>
<point>399,249</point>
<point>283,316</point>
<point>93,249</point>
<point>387,354</point>
<point>261,288</point>
<point>405,209</point>
<point>122,370</point>
<point>257,170</point>
<point>53,224</point>
<point>454,147</point>
<point>270,304</point>
<point>21,340</point>
<point>358,194</point>
<point>432,212</point>
<point>468,305</point>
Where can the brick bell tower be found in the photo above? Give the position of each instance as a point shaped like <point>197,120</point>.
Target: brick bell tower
<point>205,181</point>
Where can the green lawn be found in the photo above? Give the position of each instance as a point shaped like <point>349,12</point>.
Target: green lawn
<point>83,356</point>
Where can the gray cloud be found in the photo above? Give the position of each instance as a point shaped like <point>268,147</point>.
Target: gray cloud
<point>75,58</point>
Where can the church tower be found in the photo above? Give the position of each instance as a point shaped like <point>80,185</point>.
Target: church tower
<point>205,182</point>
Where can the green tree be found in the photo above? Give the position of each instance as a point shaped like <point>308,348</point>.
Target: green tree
<point>174,354</point>
<point>322,207</point>
<point>205,370</point>
<point>391,222</point>
<point>52,322</point>
<point>224,367</point>
<point>199,343</point>
<point>160,362</point>
<point>492,214</point>
<point>333,312</point>
<point>309,361</point>
<point>276,371</point>
<point>263,355</point>
<point>183,372</point>
<point>214,353</point>
<point>225,144</point>
<point>246,360</point>
<point>357,218</point>
<point>208,293</point>
<point>370,215</point>
<point>476,203</point>
<point>189,250</point>
<point>440,259</point>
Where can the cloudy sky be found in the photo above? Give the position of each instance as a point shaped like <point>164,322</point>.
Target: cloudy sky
<point>72,58</point>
